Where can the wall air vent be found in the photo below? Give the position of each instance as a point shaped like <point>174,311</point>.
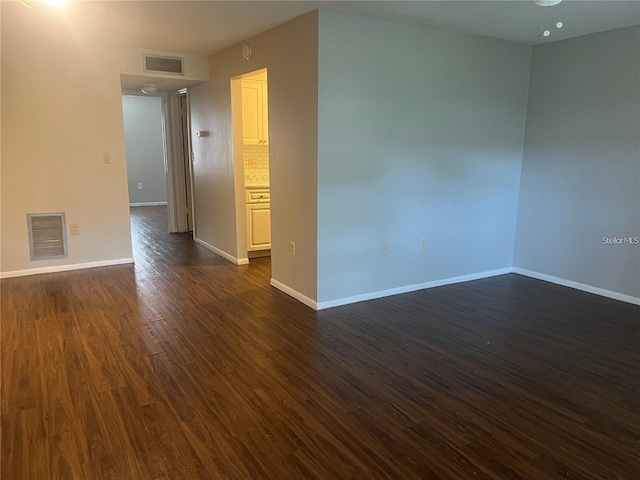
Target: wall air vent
<point>47,235</point>
<point>166,65</point>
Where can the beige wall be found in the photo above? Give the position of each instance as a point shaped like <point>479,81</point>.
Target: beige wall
<point>130,62</point>
<point>289,52</point>
<point>213,176</point>
<point>61,110</point>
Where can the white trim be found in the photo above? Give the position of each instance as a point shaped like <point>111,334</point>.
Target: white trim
<point>578,286</point>
<point>65,268</point>
<point>222,253</point>
<point>295,294</point>
<point>147,204</point>
<point>410,288</point>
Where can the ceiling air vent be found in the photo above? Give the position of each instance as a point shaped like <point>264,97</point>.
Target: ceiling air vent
<point>47,236</point>
<point>167,65</point>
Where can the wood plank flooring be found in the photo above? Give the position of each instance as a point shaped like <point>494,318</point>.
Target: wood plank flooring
<point>187,367</point>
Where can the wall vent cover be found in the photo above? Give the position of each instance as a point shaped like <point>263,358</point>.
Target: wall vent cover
<point>47,235</point>
<point>167,65</point>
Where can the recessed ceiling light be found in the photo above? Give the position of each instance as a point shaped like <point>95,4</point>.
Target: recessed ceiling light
<point>546,33</point>
<point>559,25</point>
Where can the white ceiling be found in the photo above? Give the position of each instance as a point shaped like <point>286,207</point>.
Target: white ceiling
<point>204,27</point>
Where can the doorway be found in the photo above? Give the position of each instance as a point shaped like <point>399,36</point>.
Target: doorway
<point>159,159</point>
<point>144,142</point>
<point>251,146</point>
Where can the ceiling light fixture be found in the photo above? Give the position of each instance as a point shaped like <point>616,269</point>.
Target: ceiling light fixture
<point>149,89</point>
<point>56,3</point>
<point>559,25</point>
<point>547,3</point>
<point>546,33</point>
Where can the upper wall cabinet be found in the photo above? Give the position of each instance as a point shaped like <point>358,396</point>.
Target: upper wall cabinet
<point>255,112</point>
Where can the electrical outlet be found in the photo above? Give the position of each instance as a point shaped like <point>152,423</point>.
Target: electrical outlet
<point>106,157</point>
<point>75,229</point>
<point>292,248</point>
<point>385,249</point>
<point>423,243</point>
<point>140,186</point>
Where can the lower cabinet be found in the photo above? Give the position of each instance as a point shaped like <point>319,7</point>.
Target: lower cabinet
<point>258,226</point>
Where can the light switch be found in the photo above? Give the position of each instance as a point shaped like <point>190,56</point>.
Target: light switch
<point>75,229</point>
<point>106,157</point>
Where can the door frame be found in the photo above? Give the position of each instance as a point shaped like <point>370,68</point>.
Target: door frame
<point>179,160</point>
<point>237,140</point>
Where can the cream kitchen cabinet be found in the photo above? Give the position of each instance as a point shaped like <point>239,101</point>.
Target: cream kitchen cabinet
<point>258,220</point>
<point>255,112</point>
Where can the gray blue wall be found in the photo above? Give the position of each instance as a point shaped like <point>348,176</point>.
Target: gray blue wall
<point>145,151</point>
<point>420,135</point>
<point>581,164</point>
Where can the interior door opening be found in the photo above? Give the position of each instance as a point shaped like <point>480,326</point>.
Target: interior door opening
<point>158,153</point>
<point>144,142</point>
<point>250,117</point>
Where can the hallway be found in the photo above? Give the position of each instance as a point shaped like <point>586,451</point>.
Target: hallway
<point>186,366</point>
<point>157,251</point>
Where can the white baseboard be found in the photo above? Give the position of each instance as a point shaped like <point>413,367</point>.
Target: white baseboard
<point>578,286</point>
<point>65,268</point>
<point>295,294</point>
<point>147,204</point>
<point>410,288</point>
<point>222,253</point>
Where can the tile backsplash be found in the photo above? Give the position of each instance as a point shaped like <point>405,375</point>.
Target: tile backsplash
<point>256,165</point>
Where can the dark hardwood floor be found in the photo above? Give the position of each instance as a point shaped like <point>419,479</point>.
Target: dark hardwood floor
<point>187,367</point>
